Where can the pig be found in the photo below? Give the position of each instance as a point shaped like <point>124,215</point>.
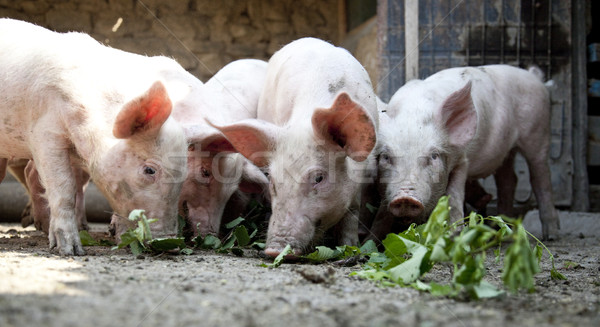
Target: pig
<point>316,128</point>
<point>459,125</point>
<point>214,176</point>
<point>69,101</point>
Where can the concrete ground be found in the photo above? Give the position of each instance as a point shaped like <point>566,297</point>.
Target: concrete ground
<point>114,288</point>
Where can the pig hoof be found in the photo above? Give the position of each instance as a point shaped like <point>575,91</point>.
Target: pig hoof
<point>65,244</point>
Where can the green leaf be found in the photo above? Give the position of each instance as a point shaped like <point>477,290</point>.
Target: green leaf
<point>136,248</point>
<point>166,244</point>
<point>229,243</point>
<point>571,264</point>
<point>409,270</point>
<point>471,271</point>
<point>209,242</point>
<point>322,253</point>
<point>127,238</point>
<point>395,249</point>
<point>443,290</point>
<point>241,234</point>
<point>234,222</point>
<point>520,263</point>
<point>485,290</point>
<point>436,225</point>
<point>539,251</point>
<point>186,251</point>
<point>87,239</point>
<point>279,259</point>
<point>369,247</point>
<point>258,245</point>
<point>135,214</point>
<point>555,275</point>
<point>440,250</point>
<point>372,274</point>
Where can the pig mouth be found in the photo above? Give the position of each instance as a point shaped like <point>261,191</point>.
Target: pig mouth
<point>276,246</point>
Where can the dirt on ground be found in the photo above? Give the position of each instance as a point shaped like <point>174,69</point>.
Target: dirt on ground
<point>115,288</point>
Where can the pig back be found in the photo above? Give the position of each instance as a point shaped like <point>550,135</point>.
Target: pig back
<point>308,74</point>
<point>512,105</point>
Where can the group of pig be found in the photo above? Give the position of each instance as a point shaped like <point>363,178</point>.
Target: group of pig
<point>306,129</point>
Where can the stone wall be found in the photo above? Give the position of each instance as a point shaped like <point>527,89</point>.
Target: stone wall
<point>202,35</point>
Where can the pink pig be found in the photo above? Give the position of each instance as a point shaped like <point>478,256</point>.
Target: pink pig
<point>317,126</point>
<point>458,125</point>
<point>70,101</point>
<point>229,96</point>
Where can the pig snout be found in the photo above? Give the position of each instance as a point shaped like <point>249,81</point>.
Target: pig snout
<point>406,205</point>
<point>273,252</point>
<point>296,230</point>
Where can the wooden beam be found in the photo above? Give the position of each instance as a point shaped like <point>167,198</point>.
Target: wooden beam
<point>411,25</point>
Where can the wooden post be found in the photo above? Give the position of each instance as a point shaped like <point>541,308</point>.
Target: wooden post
<point>581,201</point>
<point>411,20</point>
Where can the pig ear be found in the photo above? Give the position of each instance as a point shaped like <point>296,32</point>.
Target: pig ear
<point>459,117</point>
<point>145,113</point>
<point>347,125</point>
<point>251,138</point>
<point>206,138</point>
<point>253,179</point>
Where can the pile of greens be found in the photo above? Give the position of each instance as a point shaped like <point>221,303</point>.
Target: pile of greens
<point>464,245</point>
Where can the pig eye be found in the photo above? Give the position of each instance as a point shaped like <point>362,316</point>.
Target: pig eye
<point>435,156</point>
<point>191,147</point>
<point>149,171</point>
<point>319,178</point>
<point>384,157</point>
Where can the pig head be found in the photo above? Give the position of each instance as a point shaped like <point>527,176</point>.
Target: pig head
<point>214,174</point>
<point>145,167</point>
<point>417,155</point>
<point>315,171</point>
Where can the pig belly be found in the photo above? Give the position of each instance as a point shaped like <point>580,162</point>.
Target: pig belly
<point>13,147</point>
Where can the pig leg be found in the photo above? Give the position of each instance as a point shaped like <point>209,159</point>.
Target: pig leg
<point>456,191</point>
<point>382,225</point>
<point>56,173</point>
<point>539,172</point>
<point>39,204</point>
<point>346,230</point>
<point>82,179</point>
<point>17,169</point>
<point>3,164</point>
<point>506,183</point>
